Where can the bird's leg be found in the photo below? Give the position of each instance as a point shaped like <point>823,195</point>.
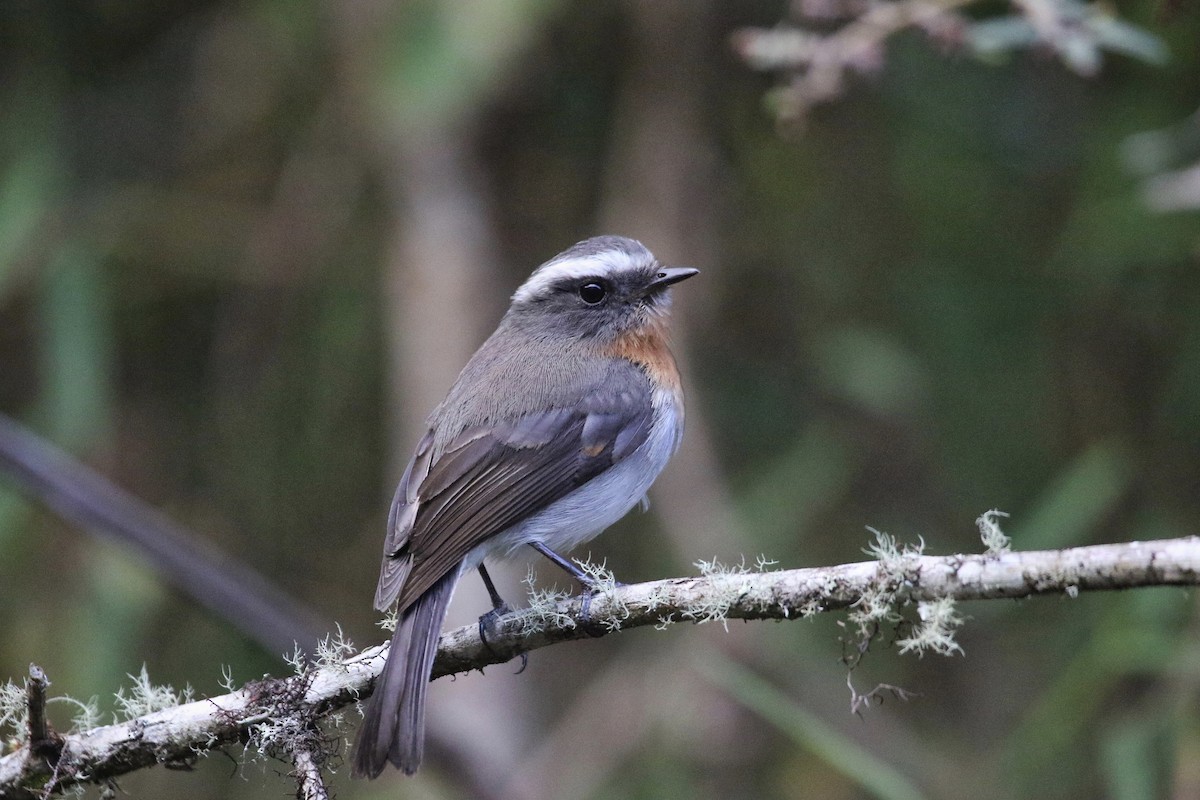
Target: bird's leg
<point>587,581</point>
<point>497,601</point>
<point>571,568</point>
<point>489,620</point>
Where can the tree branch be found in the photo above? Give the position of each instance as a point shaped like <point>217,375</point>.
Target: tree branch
<point>40,738</point>
<point>79,494</point>
<point>818,61</point>
<point>265,713</point>
<point>310,784</point>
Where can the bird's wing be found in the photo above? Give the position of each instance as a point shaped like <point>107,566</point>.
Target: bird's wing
<point>495,475</point>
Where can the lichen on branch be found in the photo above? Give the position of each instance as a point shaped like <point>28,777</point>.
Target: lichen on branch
<point>263,712</point>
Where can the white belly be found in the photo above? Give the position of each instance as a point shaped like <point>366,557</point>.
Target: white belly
<point>585,512</point>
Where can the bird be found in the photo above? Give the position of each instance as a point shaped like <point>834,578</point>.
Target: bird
<point>554,430</point>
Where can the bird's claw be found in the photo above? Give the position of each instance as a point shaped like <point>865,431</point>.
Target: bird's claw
<point>590,626</point>
<point>489,622</point>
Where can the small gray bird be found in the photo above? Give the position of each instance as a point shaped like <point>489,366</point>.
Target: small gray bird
<point>553,431</point>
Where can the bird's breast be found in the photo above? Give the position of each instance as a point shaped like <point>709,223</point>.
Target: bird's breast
<point>648,348</point>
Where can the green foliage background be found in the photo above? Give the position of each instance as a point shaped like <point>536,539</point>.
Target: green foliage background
<point>947,295</point>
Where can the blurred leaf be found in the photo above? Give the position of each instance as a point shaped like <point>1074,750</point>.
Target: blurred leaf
<point>999,35</point>
<point>120,597</point>
<point>444,59</point>
<point>1134,637</point>
<point>1080,53</point>
<point>1128,759</point>
<point>1174,191</point>
<point>25,195</point>
<point>1076,500</point>
<point>787,496</point>
<point>1110,232</point>
<point>1077,35</point>
<point>1114,33</point>
<point>1060,717</point>
<point>1154,151</point>
<point>876,777</point>
<point>1135,753</point>
<point>870,370</point>
<point>77,357</point>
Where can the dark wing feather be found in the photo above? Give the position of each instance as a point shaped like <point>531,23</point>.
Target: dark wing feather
<point>492,477</point>
<point>393,572</point>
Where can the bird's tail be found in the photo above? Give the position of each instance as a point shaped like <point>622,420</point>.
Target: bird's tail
<point>393,726</point>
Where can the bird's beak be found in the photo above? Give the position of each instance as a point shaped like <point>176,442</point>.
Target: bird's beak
<point>668,275</point>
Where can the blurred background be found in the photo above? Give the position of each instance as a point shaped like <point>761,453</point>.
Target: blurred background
<point>245,248</point>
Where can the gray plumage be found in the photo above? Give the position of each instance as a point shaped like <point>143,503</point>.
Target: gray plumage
<point>398,704</point>
<point>548,435</point>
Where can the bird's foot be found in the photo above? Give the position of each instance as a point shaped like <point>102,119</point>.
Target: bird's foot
<point>490,627</point>
<point>592,627</point>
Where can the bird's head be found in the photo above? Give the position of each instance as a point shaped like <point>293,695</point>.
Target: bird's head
<point>600,289</point>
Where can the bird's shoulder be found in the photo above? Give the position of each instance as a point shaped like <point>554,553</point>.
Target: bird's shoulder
<point>538,377</point>
<point>485,464</point>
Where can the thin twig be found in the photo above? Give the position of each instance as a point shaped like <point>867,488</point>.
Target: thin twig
<point>819,63</point>
<point>41,738</point>
<point>310,785</point>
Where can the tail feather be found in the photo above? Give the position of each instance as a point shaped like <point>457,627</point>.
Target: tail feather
<point>393,726</point>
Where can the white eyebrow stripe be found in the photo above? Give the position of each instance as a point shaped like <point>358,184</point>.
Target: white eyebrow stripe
<point>599,265</point>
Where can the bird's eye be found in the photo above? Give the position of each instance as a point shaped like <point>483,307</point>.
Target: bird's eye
<point>592,293</point>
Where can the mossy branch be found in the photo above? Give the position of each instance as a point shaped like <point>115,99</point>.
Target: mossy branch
<point>279,716</point>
